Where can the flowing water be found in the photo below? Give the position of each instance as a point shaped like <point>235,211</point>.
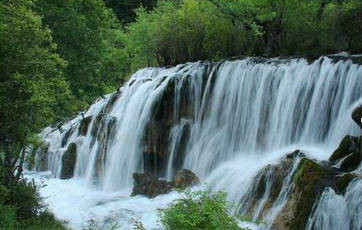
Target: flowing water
<point>224,121</point>
<point>347,209</point>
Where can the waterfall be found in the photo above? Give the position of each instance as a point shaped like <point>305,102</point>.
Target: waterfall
<point>224,121</point>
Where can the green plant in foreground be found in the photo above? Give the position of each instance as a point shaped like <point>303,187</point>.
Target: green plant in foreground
<point>198,210</point>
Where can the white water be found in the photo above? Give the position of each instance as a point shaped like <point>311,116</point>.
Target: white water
<point>245,115</point>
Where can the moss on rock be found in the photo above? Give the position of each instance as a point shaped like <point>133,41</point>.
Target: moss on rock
<point>310,180</point>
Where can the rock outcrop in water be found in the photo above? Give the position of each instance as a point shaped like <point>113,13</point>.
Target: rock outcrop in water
<point>84,125</point>
<point>184,179</point>
<point>357,116</point>
<point>42,158</point>
<point>148,185</point>
<point>284,195</point>
<point>348,145</point>
<point>309,181</point>
<point>69,160</point>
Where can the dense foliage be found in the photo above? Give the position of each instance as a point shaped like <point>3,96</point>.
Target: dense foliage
<point>33,93</point>
<point>125,9</point>
<point>33,89</point>
<point>21,208</point>
<point>188,30</point>
<point>198,210</point>
<point>89,38</point>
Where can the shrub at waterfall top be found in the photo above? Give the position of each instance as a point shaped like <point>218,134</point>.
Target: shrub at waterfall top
<point>178,31</point>
<point>198,210</point>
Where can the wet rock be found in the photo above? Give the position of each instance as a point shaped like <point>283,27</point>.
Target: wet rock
<point>148,185</point>
<point>185,178</point>
<point>66,136</point>
<point>104,137</point>
<point>357,116</point>
<point>343,182</point>
<point>69,160</point>
<point>84,125</point>
<point>175,104</point>
<point>154,143</point>
<point>348,145</point>
<point>268,182</point>
<point>352,162</point>
<point>310,180</point>
<point>181,148</point>
<point>42,159</point>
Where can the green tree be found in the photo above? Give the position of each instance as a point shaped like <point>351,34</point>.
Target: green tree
<point>89,38</point>
<point>33,90</point>
<point>188,30</point>
<point>125,9</point>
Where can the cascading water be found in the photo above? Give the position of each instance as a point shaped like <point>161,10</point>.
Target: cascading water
<point>347,209</point>
<point>224,121</point>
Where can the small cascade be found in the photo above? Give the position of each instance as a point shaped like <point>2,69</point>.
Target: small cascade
<point>282,198</point>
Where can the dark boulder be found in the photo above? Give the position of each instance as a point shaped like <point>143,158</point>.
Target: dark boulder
<point>148,185</point>
<point>343,182</point>
<point>185,178</point>
<point>357,116</point>
<point>352,162</point>
<point>69,160</point>
<point>348,145</point>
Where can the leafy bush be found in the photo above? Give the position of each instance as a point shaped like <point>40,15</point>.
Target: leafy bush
<point>198,210</point>
<point>20,208</point>
<point>7,217</point>
<point>43,221</point>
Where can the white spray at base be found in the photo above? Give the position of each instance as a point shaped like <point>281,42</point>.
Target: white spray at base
<point>239,117</point>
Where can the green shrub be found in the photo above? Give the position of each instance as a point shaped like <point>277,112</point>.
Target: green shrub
<point>198,210</point>
<point>21,208</point>
<point>44,221</point>
<point>7,218</point>
<point>23,196</point>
